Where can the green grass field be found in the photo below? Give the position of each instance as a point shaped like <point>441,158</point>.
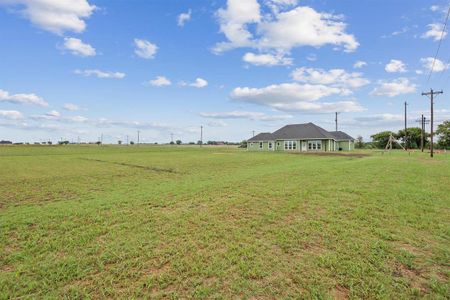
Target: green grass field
<point>184,222</point>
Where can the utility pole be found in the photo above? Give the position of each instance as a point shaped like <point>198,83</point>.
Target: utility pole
<point>201,136</point>
<point>336,120</point>
<point>406,127</point>
<point>422,135</point>
<point>138,132</point>
<point>127,139</point>
<point>253,133</point>
<point>431,93</point>
<point>171,138</point>
<point>101,139</point>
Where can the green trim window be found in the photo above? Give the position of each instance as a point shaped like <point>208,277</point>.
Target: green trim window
<point>290,145</point>
<point>315,145</point>
<point>260,145</point>
<point>270,145</point>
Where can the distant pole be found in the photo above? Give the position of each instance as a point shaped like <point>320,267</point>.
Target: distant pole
<point>253,133</point>
<point>201,136</point>
<point>406,130</point>
<point>336,120</point>
<point>78,139</point>
<point>171,138</point>
<point>127,139</point>
<point>431,93</point>
<point>422,135</point>
<point>138,137</point>
<point>101,139</point>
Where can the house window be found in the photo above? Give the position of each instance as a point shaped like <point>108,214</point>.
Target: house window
<point>270,145</point>
<point>260,145</point>
<point>314,145</point>
<point>290,145</point>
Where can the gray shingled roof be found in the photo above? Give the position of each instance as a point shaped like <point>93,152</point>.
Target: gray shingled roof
<point>340,135</point>
<point>264,136</point>
<point>302,131</point>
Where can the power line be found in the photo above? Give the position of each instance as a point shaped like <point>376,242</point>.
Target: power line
<point>439,45</point>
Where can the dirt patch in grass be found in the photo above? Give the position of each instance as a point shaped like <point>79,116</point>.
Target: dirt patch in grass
<point>357,155</point>
<point>341,293</point>
<point>155,169</point>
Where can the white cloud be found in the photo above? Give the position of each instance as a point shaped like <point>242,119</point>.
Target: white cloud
<point>439,65</point>
<point>76,119</point>
<point>57,16</point>
<point>145,49</point>
<point>100,74</point>
<point>77,47</point>
<point>435,8</point>
<point>160,81</point>
<point>11,114</point>
<point>249,115</point>
<point>395,66</point>
<point>32,99</point>
<point>294,97</point>
<point>71,107</point>
<point>311,57</point>
<point>198,83</point>
<point>333,77</point>
<point>266,59</point>
<point>394,88</point>
<point>282,30</point>
<point>51,115</point>
<point>435,32</point>
<point>359,64</point>
<point>183,18</point>
<point>233,23</point>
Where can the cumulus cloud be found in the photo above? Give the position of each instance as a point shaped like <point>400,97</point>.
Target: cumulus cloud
<point>11,114</point>
<point>100,74</point>
<point>333,77</point>
<point>294,97</point>
<point>77,47</point>
<point>198,83</point>
<point>394,88</point>
<point>71,107</point>
<point>438,66</point>
<point>145,49</point>
<point>395,66</point>
<point>281,30</point>
<point>266,59</point>
<point>160,81</point>
<point>183,18</point>
<point>249,115</point>
<point>435,31</point>
<point>57,16</point>
<point>359,64</point>
<point>31,99</point>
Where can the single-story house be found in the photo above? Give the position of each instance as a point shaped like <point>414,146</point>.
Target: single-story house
<point>301,137</point>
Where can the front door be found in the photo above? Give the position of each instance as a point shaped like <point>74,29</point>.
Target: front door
<point>303,146</point>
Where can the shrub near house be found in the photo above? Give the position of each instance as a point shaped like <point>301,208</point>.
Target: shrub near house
<point>301,137</point>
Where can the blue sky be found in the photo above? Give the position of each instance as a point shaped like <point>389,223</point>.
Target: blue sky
<point>82,68</point>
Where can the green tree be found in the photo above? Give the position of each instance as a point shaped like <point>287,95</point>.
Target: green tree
<point>381,139</point>
<point>414,136</point>
<point>359,142</point>
<point>178,142</point>
<point>443,134</point>
<point>243,144</point>
<point>119,142</point>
